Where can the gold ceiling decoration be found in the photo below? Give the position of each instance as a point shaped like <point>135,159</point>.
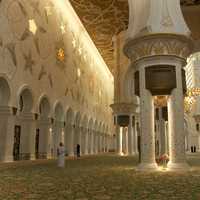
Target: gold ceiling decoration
<point>160,101</point>
<point>189,102</point>
<point>190,99</point>
<point>193,92</point>
<point>105,18</point>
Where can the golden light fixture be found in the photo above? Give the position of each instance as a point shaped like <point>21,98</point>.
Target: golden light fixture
<point>61,54</point>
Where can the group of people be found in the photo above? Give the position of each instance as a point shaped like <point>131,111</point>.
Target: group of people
<point>193,149</point>
<point>61,152</point>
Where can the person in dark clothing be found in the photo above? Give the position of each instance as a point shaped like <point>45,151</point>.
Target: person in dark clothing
<point>78,148</point>
<point>192,149</point>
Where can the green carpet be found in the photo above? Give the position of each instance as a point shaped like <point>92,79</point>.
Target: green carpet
<point>105,177</point>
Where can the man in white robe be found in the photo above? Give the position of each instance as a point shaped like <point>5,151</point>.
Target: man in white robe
<point>61,155</point>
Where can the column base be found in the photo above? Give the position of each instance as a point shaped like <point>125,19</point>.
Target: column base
<point>132,154</point>
<point>120,154</point>
<point>49,156</point>
<point>32,157</point>
<point>8,159</point>
<point>71,154</point>
<point>178,166</point>
<point>147,167</point>
<point>86,153</point>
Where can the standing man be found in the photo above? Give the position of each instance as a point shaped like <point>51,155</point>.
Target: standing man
<point>61,155</point>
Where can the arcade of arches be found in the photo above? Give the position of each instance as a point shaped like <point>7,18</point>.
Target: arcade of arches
<point>55,86</point>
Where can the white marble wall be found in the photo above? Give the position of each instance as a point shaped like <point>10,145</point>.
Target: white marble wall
<point>31,36</point>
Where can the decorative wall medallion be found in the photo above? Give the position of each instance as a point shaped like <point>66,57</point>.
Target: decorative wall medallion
<point>60,53</point>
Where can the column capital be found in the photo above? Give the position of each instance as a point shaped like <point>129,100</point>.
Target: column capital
<point>159,44</point>
<point>124,108</point>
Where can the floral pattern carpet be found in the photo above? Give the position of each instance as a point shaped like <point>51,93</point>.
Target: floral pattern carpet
<point>104,177</point>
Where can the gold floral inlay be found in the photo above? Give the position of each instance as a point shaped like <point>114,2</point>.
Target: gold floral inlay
<point>61,55</point>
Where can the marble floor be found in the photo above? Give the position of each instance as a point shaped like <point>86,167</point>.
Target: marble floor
<point>104,177</point>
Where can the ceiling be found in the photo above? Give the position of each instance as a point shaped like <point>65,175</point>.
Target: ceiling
<point>105,18</point>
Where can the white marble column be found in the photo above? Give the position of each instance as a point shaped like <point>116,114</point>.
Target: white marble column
<point>147,126</point>
<point>107,144</point>
<point>44,137</point>
<point>80,138</point>
<point>162,133</point>
<point>7,124</point>
<point>167,137</point>
<point>126,140</point>
<point>89,141</point>
<point>96,142</point>
<point>100,142</point>
<point>135,139</point>
<point>86,141</point>
<point>130,136</point>
<point>163,138</point>
<point>99,148</point>
<point>28,133</point>
<point>176,126</point>
<point>92,142</point>
<point>119,140</point>
<point>58,135</point>
<point>69,139</point>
